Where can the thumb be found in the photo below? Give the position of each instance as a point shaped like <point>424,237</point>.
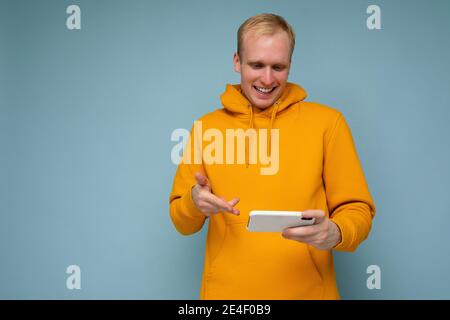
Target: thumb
<point>319,215</point>
<point>201,179</point>
<point>234,201</point>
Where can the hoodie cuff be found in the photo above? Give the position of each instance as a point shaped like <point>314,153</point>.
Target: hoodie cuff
<point>347,232</point>
<point>188,206</point>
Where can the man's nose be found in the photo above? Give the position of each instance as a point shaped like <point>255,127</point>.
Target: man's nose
<point>267,77</point>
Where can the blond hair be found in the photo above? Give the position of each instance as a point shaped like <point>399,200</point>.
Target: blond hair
<point>265,24</point>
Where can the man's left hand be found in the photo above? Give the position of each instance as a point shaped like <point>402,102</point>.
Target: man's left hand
<point>324,234</point>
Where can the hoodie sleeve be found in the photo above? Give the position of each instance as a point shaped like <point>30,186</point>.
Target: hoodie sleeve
<point>186,217</point>
<point>349,201</point>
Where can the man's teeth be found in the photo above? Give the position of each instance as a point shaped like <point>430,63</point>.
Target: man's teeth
<point>264,90</point>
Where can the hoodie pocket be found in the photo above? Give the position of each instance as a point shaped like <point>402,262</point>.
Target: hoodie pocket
<point>251,265</point>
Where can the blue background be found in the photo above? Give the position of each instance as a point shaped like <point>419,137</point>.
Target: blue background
<point>86,117</point>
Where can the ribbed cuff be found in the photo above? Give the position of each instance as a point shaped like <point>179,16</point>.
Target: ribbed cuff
<point>188,206</point>
<point>347,242</point>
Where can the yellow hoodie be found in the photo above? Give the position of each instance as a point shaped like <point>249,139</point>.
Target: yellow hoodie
<point>318,169</point>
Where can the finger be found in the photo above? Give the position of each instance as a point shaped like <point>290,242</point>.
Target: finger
<point>233,202</point>
<point>209,208</point>
<point>303,233</point>
<point>304,239</point>
<point>220,204</point>
<point>201,179</point>
<point>319,215</point>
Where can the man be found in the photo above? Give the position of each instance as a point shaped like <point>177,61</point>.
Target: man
<point>318,172</point>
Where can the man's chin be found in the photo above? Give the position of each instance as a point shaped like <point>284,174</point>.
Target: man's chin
<point>263,106</point>
<point>262,103</point>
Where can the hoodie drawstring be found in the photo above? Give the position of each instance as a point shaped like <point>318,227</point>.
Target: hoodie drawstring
<point>250,126</point>
<point>272,119</point>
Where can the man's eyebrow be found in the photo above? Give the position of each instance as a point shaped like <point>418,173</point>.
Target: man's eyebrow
<point>281,64</point>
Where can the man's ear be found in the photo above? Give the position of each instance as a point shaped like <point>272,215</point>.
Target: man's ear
<point>237,63</point>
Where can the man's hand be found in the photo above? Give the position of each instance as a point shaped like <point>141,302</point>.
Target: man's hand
<point>207,202</point>
<point>324,234</point>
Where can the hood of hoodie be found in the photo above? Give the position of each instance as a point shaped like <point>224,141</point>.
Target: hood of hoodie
<point>234,100</point>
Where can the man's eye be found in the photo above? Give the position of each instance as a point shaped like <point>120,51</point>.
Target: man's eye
<point>257,66</point>
<point>278,68</point>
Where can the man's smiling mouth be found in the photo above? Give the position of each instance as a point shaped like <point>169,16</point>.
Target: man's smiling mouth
<point>263,90</point>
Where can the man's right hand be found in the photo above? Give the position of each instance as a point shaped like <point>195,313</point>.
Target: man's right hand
<point>209,203</point>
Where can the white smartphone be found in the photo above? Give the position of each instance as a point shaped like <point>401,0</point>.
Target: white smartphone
<point>276,221</point>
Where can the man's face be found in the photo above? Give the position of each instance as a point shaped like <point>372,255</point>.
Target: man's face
<point>264,67</point>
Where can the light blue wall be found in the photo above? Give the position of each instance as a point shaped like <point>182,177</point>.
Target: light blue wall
<point>86,118</point>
